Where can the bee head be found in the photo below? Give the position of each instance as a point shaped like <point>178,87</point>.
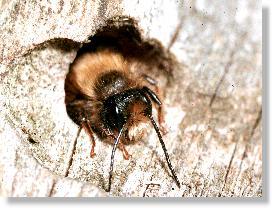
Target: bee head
<point>119,108</point>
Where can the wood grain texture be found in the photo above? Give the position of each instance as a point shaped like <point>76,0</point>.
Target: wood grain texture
<point>213,107</point>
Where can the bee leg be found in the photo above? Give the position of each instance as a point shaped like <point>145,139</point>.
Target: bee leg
<point>88,130</point>
<point>161,120</point>
<point>126,155</point>
<point>122,147</point>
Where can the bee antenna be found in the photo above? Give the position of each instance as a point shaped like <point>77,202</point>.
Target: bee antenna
<point>116,142</point>
<point>165,151</point>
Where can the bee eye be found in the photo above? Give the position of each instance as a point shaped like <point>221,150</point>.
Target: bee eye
<point>113,115</point>
<point>120,118</point>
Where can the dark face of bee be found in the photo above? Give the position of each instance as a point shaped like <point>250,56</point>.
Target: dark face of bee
<point>117,108</point>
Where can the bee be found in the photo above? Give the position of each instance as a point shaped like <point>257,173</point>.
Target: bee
<point>108,94</point>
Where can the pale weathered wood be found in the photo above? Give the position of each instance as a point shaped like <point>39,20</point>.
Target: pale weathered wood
<point>212,107</point>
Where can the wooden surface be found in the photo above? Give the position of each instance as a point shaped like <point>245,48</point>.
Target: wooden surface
<point>213,107</point>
